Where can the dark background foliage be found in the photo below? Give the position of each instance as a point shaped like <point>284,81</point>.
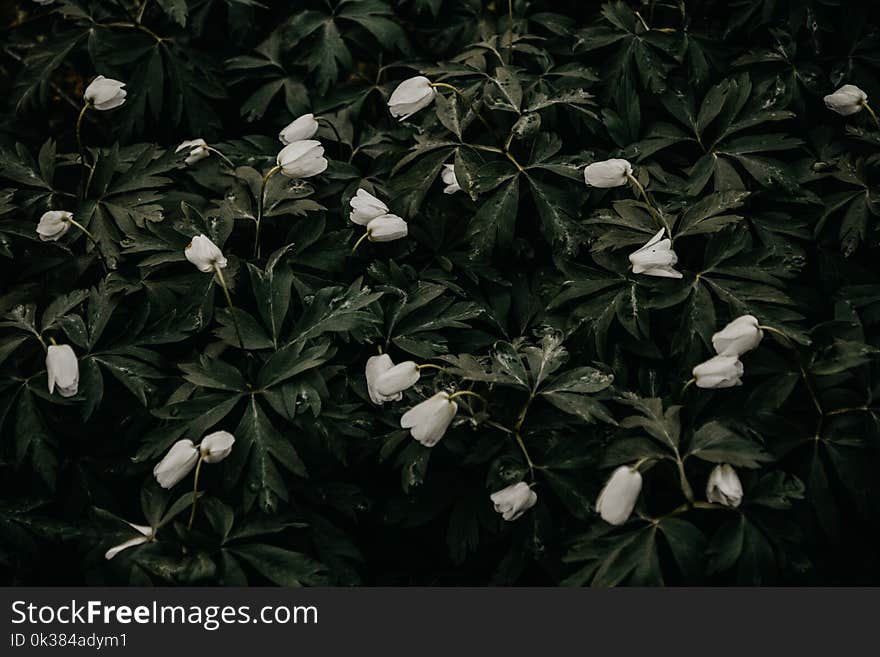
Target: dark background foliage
<point>774,203</point>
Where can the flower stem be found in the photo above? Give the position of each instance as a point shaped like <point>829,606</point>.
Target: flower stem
<point>653,210</point>
<point>358,243</point>
<point>321,119</point>
<point>260,207</point>
<point>430,366</point>
<point>222,280</point>
<point>466,101</point>
<point>192,514</point>
<point>873,115</point>
<point>469,393</point>
<point>510,31</point>
<point>94,241</point>
<point>522,446</point>
<point>687,385</point>
<point>225,159</point>
<point>79,120</point>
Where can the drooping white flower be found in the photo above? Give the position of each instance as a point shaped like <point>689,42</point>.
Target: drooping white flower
<point>724,486</point>
<point>395,380</point>
<point>410,96</point>
<point>147,534</point>
<point>204,254</point>
<point>105,93</point>
<point>197,149</point>
<point>656,258</point>
<point>62,369</point>
<point>847,100</point>
<point>449,179</point>
<point>216,446</point>
<point>365,207</point>
<point>608,173</point>
<point>301,128</point>
<point>719,372</point>
<point>618,498</point>
<point>178,462</point>
<point>386,228</point>
<point>53,224</point>
<point>739,336</point>
<point>428,420</point>
<point>376,365</point>
<point>513,501</point>
<point>302,159</point>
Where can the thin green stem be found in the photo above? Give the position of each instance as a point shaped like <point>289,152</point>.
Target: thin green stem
<point>134,26</point>
<point>321,119</point>
<point>94,241</point>
<point>261,206</point>
<point>143,8</point>
<point>688,385</point>
<point>359,242</point>
<point>871,112</point>
<point>222,280</point>
<point>222,156</point>
<point>468,393</point>
<point>653,210</point>
<point>192,514</point>
<point>41,341</point>
<point>685,484</point>
<point>79,120</point>
<point>510,31</point>
<point>522,446</point>
<point>424,366</point>
<point>466,101</point>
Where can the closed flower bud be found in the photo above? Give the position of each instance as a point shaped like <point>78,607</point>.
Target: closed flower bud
<point>62,369</point>
<point>449,179</point>
<point>302,128</point>
<point>397,379</point>
<point>738,337</point>
<point>53,224</point>
<point>196,150</point>
<point>302,159</point>
<point>618,497</point>
<point>719,372</point>
<point>656,258</point>
<point>105,93</point>
<point>849,99</point>
<point>204,254</point>
<point>365,207</point>
<point>216,446</point>
<point>513,501</point>
<point>410,96</point>
<point>178,462</point>
<point>386,228</point>
<point>146,535</point>
<point>608,173</point>
<point>724,486</point>
<point>429,420</point>
<point>376,365</point>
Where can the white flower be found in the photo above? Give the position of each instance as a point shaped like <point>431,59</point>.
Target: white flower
<point>410,96</point>
<point>216,446</point>
<point>365,207</point>
<point>376,365</point>
<point>301,128</point>
<point>724,486</point>
<point>656,258</point>
<point>105,93</point>
<point>618,497</point>
<point>513,501</point>
<point>429,420</point>
<point>738,337</point>
<point>719,372</point>
<point>849,99</point>
<point>302,159</point>
<point>608,173</point>
<point>395,380</point>
<point>197,149</point>
<point>386,228</point>
<point>62,369</point>
<point>178,462</point>
<point>449,179</point>
<point>53,224</point>
<point>204,254</point>
<point>147,535</point>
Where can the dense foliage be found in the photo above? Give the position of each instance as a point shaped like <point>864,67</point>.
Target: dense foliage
<point>517,287</point>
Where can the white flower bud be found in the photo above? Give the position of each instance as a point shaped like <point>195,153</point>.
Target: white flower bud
<point>300,129</point>
<point>656,258</point>
<point>302,159</point>
<point>617,499</point>
<point>376,365</point>
<point>105,93</point>
<point>724,486</point>
<point>608,173</point>
<point>449,179</point>
<point>397,379</point>
<point>216,446</point>
<point>204,254</point>
<point>365,207</point>
<point>196,149</point>
<point>53,224</point>
<point>513,501</point>
<point>429,420</point>
<point>62,369</point>
<point>178,462</point>
<point>849,99</point>
<point>739,336</point>
<point>719,372</point>
<point>386,228</point>
<point>410,96</point>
